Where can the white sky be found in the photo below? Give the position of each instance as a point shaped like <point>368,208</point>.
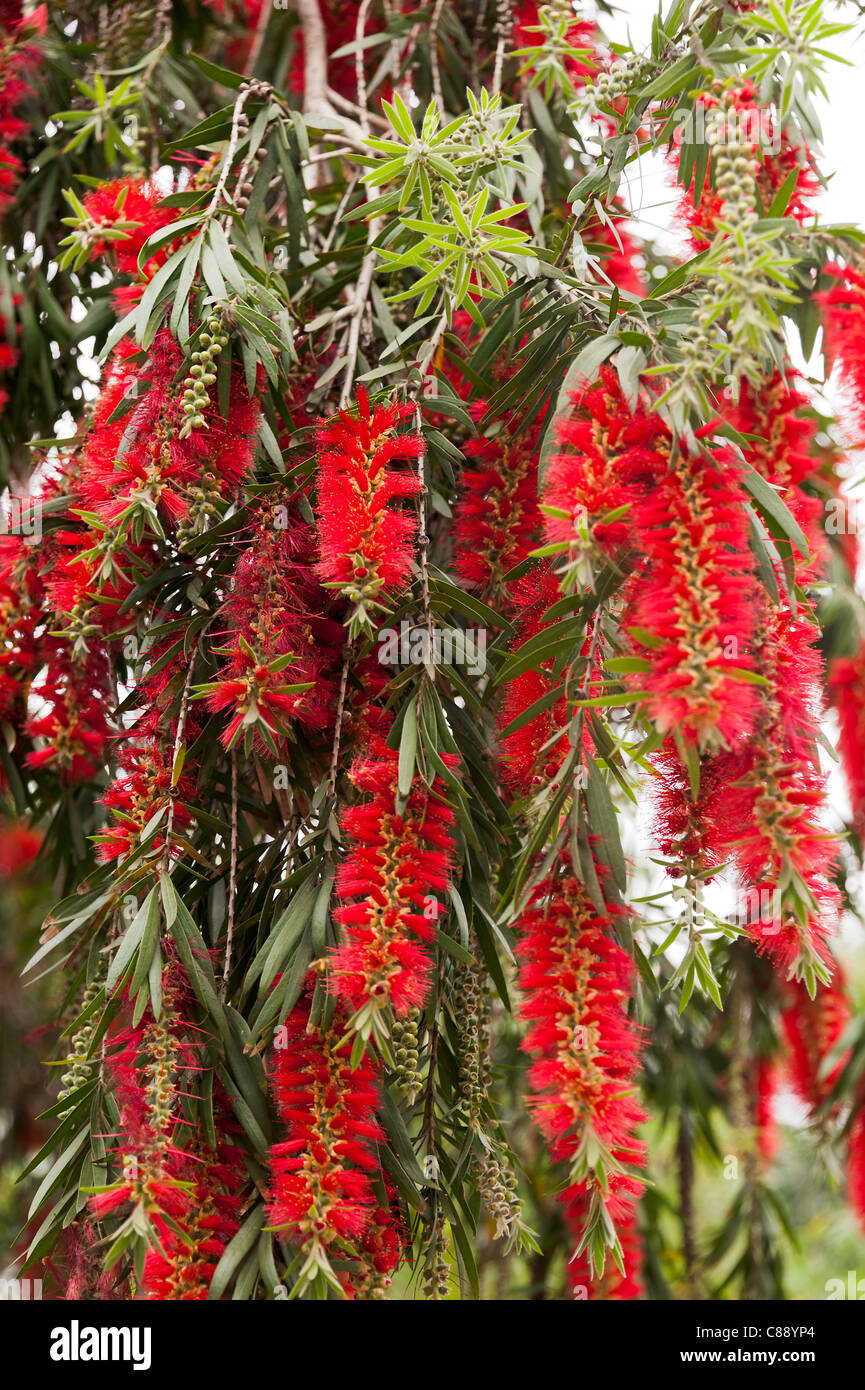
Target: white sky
<point>841,117</point>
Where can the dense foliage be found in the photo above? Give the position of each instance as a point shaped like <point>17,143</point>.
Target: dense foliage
<point>396,546</point>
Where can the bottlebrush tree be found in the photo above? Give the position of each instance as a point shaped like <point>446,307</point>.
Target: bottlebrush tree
<point>423,597</point>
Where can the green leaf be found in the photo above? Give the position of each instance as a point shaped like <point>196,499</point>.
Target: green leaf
<point>604,823</point>
<point>131,938</point>
<point>407,751</point>
<point>774,511</point>
<point>236,1251</point>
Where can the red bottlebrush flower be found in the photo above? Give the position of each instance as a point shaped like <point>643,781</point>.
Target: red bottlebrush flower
<point>19,846</point>
<point>576,981</point>
<point>257,693</point>
<point>189,1194</point>
<point>277,609</point>
<point>142,788</point>
<point>691,601</point>
<point>321,1184</point>
<point>381,1248</point>
<point>781,436</point>
<point>18,56</point>
<point>398,866</point>
<point>139,463</point>
<point>856,1165</point>
<point>614,1284</point>
<point>775,796</point>
<point>844,329</point>
<point>533,754</point>
<point>365,541</point>
<point>812,1028</point>
<point>74,726</point>
<point>847,689</point>
<point>610,452</point>
<point>764,1109</point>
<point>699,829</point>
<point>88,1279</point>
<point>497,520</point>
<point>21,601</point>
<point>134,208</point>
<point>182,1268</point>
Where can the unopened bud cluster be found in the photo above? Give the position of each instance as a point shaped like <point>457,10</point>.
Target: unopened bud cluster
<point>436,1276</point>
<point>204,501</point>
<point>739,280</point>
<point>243,190</point>
<point>79,1064</point>
<point>202,374</point>
<point>373,1285</point>
<point>404,1035</point>
<point>610,86</point>
<point>470,1017</point>
<point>497,1185</point>
<point>735,167</point>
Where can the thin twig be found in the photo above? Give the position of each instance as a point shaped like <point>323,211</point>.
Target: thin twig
<point>178,743</point>
<point>234,138</point>
<point>340,710</point>
<point>351,108</point>
<point>504,28</point>
<point>423,537</point>
<point>431,350</point>
<point>423,534</point>
<point>360,66</point>
<point>341,207</point>
<point>358,305</point>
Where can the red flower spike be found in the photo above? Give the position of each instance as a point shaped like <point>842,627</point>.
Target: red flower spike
<point>613,1284</point>
<point>497,521</point>
<point>847,689</point>
<point>844,325</point>
<point>322,1173</point>
<point>576,981</point>
<point>366,543</point>
<point>691,601</point>
<point>390,886</point>
<point>812,1028</point>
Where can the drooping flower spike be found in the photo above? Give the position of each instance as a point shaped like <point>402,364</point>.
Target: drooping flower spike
<point>391,887</point>
<point>365,536</point>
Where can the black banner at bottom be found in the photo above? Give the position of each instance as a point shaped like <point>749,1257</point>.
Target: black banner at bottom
<point>171,1339</point>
